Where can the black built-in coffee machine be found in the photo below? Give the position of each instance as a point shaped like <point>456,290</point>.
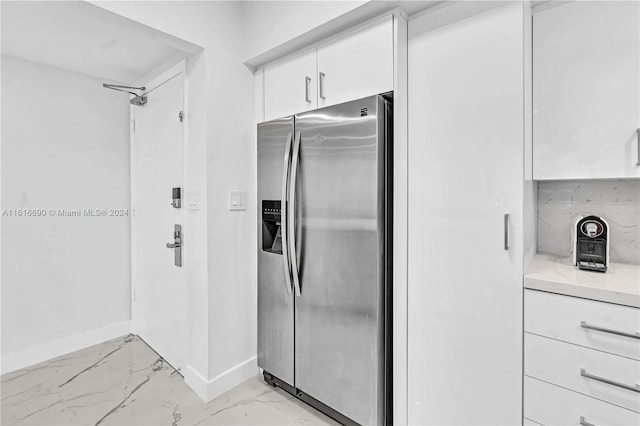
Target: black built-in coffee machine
<point>591,244</point>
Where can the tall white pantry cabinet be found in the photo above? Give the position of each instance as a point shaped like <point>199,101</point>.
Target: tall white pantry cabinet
<point>466,237</point>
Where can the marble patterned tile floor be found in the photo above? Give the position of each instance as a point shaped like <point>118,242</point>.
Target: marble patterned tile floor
<point>124,382</point>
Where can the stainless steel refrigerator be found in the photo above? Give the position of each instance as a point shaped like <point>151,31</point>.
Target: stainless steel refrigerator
<point>324,258</point>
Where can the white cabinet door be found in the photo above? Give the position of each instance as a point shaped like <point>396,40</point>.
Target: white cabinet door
<point>290,86</point>
<point>358,65</point>
<point>466,111</point>
<point>586,80</point>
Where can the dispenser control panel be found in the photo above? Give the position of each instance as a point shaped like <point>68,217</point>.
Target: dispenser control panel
<point>271,231</point>
<point>271,210</point>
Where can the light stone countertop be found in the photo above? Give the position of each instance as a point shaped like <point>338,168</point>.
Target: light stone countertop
<point>555,274</point>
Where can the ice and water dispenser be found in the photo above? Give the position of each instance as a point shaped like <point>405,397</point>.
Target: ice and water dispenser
<point>271,232</point>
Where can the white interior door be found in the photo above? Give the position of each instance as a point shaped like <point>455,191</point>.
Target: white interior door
<point>159,298</point>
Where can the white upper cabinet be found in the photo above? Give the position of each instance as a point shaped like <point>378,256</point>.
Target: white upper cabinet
<point>358,65</point>
<point>586,96</point>
<point>351,66</point>
<point>290,85</point>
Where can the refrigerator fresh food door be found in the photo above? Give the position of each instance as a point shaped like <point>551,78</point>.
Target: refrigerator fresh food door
<point>340,241</point>
<point>275,298</point>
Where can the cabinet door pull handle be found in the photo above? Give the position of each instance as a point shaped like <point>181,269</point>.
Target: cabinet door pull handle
<point>635,388</point>
<point>307,81</point>
<point>638,145</point>
<point>584,422</point>
<point>321,85</point>
<point>506,231</point>
<point>608,330</point>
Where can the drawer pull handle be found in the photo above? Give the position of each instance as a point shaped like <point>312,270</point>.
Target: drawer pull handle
<point>610,331</point>
<point>584,422</point>
<point>635,388</point>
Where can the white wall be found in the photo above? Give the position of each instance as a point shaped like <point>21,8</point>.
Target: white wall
<point>561,203</point>
<point>65,280</point>
<point>230,154</point>
<point>267,24</point>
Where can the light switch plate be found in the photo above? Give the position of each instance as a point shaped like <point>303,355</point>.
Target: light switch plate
<point>237,200</point>
<point>194,200</point>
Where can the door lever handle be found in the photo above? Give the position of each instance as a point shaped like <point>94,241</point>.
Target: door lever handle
<point>176,245</point>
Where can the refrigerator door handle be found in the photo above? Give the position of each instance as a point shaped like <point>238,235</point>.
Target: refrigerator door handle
<point>283,209</point>
<point>291,214</point>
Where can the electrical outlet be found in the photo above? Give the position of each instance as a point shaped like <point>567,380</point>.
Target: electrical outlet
<point>237,200</point>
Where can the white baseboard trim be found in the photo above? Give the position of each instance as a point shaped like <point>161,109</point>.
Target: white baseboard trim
<point>37,354</point>
<point>196,382</point>
<point>207,390</point>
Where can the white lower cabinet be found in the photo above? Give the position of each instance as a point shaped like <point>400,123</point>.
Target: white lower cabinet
<point>548,405</point>
<point>576,320</point>
<point>576,375</point>
<point>582,370</point>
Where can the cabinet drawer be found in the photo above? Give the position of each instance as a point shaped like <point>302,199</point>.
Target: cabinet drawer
<point>560,317</point>
<point>561,364</point>
<point>547,404</point>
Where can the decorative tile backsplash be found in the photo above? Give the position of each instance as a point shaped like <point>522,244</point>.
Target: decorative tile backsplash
<point>618,201</point>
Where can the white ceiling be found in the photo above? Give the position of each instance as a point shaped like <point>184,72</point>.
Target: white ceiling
<point>84,38</point>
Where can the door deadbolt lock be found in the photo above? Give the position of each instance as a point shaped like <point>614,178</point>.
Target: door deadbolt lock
<point>176,198</point>
<point>176,245</point>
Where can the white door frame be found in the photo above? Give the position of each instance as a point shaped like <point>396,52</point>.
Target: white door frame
<point>176,69</point>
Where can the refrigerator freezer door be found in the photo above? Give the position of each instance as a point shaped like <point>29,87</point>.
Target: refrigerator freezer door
<point>339,332</point>
<point>275,299</point>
